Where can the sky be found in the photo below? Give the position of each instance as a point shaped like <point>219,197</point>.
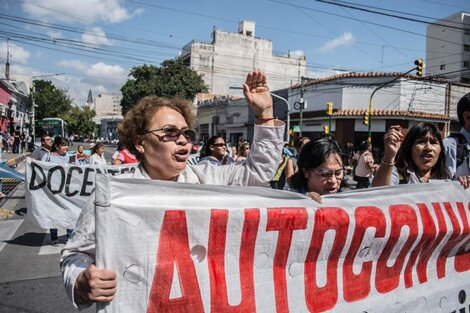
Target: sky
<point>93,44</point>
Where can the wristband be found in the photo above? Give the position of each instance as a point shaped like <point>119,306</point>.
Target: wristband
<point>264,119</point>
<point>388,164</point>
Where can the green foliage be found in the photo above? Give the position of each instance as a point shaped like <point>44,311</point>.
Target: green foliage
<point>172,79</point>
<point>50,100</point>
<point>80,121</point>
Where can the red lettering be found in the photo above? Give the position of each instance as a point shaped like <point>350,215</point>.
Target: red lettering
<point>423,249</point>
<point>462,259</point>
<point>285,221</point>
<point>356,287</point>
<point>173,248</point>
<point>458,234</point>
<point>388,278</point>
<point>325,298</point>
<point>216,258</point>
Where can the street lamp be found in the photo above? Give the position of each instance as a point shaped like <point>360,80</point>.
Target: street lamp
<point>288,113</point>
<point>33,104</point>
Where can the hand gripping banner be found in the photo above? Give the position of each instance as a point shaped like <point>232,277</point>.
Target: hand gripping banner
<point>193,248</point>
<point>56,194</point>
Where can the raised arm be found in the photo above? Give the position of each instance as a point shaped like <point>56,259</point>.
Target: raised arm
<point>258,97</point>
<point>392,143</point>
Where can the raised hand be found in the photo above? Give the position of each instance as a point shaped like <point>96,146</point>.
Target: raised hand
<point>257,94</point>
<point>392,142</point>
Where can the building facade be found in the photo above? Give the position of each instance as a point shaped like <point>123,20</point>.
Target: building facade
<point>225,61</point>
<point>108,115</point>
<point>15,105</point>
<point>448,48</point>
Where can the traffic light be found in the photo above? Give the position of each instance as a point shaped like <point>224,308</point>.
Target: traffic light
<point>365,120</point>
<point>419,67</point>
<point>329,108</point>
<point>326,130</point>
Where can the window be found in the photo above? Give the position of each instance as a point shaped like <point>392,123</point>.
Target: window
<point>443,67</point>
<point>466,64</point>
<point>466,48</point>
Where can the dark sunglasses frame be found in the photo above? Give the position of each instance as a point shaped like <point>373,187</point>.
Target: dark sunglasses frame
<point>172,133</point>
<point>219,145</point>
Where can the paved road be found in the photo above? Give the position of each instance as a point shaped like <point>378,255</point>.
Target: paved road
<point>30,278</point>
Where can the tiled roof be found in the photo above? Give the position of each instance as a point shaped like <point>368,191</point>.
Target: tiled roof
<point>367,75</point>
<point>378,113</point>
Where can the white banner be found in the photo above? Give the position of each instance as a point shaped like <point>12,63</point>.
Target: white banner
<point>195,248</point>
<point>57,193</point>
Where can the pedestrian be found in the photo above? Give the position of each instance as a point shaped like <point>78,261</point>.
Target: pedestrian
<point>97,154</point>
<point>215,152</point>
<point>365,167</point>
<point>58,155</point>
<point>291,165</point>
<point>122,156</point>
<point>46,146</point>
<point>419,158</point>
<point>243,151</point>
<point>80,157</point>
<point>158,132</point>
<point>320,170</point>
<point>457,146</point>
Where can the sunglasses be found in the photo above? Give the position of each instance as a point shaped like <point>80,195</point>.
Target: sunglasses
<point>172,133</point>
<point>220,145</point>
<point>327,174</point>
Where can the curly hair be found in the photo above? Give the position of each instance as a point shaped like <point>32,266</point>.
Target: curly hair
<point>137,121</point>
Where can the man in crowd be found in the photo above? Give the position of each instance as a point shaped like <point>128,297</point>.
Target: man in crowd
<point>46,145</point>
<point>457,145</point>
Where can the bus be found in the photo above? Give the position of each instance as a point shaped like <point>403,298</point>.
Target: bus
<point>52,126</point>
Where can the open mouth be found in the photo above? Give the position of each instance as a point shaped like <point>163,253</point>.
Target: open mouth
<point>182,155</point>
<point>427,157</point>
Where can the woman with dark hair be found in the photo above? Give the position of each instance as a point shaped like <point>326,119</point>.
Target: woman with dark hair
<point>419,158</point>
<point>320,168</point>
<point>97,154</point>
<point>243,151</point>
<point>365,167</point>
<point>122,156</point>
<point>215,152</point>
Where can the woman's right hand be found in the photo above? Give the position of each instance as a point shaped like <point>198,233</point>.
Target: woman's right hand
<point>314,196</point>
<point>392,142</point>
<point>95,285</point>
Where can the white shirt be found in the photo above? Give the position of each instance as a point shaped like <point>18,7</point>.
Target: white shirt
<point>96,159</point>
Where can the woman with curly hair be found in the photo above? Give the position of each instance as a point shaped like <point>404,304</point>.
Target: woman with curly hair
<point>158,131</point>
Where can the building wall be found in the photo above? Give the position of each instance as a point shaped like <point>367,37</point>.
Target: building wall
<point>108,105</point>
<point>226,61</point>
<point>445,47</point>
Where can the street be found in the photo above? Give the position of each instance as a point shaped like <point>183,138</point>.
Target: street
<point>30,277</point>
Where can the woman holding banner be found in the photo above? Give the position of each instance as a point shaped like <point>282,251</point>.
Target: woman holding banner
<point>320,170</point>
<point>158,132</point>
<point>419,158</point>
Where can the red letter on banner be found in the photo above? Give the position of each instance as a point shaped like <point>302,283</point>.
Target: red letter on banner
<point>457,236</point>
<point>325,298</point>
<point>425,248</point>
<point>356,287</point>
<point>285,221</point>
<point>462,259</point>
<point>173,248</point>
<point>216,260</point>
<point>388,278</point>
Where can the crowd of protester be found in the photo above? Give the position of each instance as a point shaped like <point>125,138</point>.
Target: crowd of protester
<point>157,133</point>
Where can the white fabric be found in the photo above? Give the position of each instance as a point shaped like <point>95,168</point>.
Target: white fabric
<point>290,239</point>
<point>362,167</point>
<point>256,171</point>
<point>97,159</point>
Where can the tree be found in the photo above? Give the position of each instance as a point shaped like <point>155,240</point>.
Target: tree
<point>172,79</point>
<point>80,121</point>
<point>50,100</point>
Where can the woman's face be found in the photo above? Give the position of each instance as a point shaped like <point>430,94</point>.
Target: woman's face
<point>100,150</point>
<point>62,149</point>
<point>326,178</point>
<point>163,157</point>
<point>425,153</point>
<point>80,149</point>
<point>234,150</point>
<point>218,149</point>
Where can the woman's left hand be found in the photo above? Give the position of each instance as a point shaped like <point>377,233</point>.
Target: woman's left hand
<point>257,94</point>
<point>464,181</point>
<point>315,196</point>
